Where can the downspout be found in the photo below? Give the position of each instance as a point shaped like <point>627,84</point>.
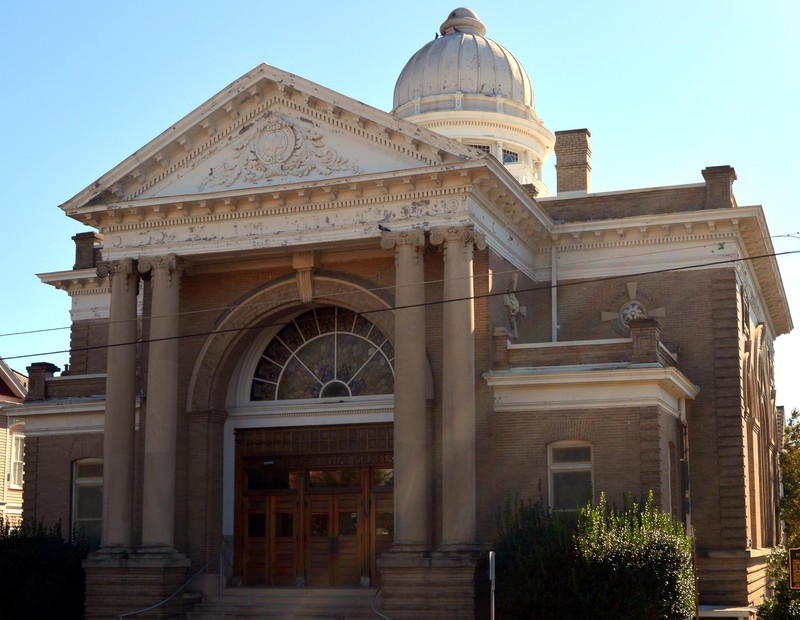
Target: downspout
<point>553,293</point>
<point>687,496</point>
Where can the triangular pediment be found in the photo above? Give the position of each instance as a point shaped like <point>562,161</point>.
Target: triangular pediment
<point>270,128</point>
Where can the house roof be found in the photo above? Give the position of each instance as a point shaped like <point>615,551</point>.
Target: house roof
<point>13,384</point>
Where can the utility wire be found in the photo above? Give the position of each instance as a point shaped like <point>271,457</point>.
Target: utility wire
<point>262,326</point>
<point>376,289</point>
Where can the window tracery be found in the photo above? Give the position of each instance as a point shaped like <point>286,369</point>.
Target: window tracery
<point>325,353</point>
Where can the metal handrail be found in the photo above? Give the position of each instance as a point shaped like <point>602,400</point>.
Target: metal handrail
<point>219,555</point>
<point>375,609</point>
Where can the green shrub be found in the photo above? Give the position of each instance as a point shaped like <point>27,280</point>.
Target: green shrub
<point>535,558</point>
<point>634,563</point>
<point>604,563</point>
<point>40,573</point>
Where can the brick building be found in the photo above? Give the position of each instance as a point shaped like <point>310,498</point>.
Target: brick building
<point>331,341</point>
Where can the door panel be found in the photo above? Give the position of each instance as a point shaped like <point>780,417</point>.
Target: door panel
<point>319,540</point>
<point>284,535</point>
<point>322,531</point>
<point>334,540</point>
<point>346,557</point>
<point>381,528</point>
<point>254,560</point>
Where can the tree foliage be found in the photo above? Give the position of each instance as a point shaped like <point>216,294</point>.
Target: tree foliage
<point>604,563</point>
<point>790,472</point>
<point>781,602</point>
<point>40,573</point>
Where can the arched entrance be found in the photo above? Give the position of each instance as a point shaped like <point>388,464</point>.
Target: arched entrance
<point>314,497</point>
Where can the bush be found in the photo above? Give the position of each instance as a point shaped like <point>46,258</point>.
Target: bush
<point>635,563</point>
<point>782,603</point>
<point>536,559</point>
<point>604,563</point>
<point>40,573</point>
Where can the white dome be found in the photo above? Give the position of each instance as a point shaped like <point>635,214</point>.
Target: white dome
<point>474,90</point>
<point>464,61</point>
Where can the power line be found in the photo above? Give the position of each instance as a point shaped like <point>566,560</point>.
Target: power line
<point>389,287</point>
<point>262,326</point>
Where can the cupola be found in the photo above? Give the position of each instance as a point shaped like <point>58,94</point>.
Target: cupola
<point>470,88</point>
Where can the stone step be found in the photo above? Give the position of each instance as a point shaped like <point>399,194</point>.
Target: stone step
<point>288,603</point>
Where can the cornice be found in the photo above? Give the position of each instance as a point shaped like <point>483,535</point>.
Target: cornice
<point>305,412</point>
<point>77,282</point>
<point>593,374</point>
<point>532,130</point>
<point>746,227</point>
<point>231,109</point>
<point>589,387</point>
<point>286,199</point>
<point>680,226</point>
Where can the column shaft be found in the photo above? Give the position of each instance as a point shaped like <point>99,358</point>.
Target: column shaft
<point>162,403</point>
<point>459,499</point>
<point>411,451</point>
<point>120,416</point>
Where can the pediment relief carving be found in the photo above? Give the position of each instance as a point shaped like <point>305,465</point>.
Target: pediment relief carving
<point>279,145</point>
<point>276,147</point>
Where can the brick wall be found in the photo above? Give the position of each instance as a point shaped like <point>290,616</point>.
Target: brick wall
<point>48,475</point>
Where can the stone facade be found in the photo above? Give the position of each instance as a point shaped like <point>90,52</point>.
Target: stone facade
<point>634,328</point>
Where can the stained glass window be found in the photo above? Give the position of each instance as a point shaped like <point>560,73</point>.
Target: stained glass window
<point>325,353</point>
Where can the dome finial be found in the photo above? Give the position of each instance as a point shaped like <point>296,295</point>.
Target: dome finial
<point>463,20</point>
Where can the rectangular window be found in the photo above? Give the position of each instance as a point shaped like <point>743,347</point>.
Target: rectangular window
<point>570,474</point>
<point>87,499</point>
<point>481,147</point>
<point>510,157</point>
<point>17,460</point>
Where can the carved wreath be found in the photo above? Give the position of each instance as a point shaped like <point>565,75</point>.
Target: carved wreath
<point>277,149</point>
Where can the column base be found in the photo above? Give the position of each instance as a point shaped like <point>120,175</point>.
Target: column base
<point>120,582</point>
<point>434,584</point>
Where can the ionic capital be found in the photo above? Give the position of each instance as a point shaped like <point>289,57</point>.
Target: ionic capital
<point>172,264</point>
<point>113,267</point>
<point>396,239</point>
<point>463,235</point>
<point>121,267</point>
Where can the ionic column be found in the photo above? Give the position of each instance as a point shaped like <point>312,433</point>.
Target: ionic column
<point>411,456</point>
<point>162,402</point>
<point>458,390</point>
<point>120,416</point>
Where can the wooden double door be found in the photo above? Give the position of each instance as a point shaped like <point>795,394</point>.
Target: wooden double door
<point>326,529</point>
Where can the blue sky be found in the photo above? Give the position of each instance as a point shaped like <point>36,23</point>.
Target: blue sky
<point>665,88</point>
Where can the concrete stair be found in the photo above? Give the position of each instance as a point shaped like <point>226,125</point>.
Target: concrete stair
<point>288,604</point>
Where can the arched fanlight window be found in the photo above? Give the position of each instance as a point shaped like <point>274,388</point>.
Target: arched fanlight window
<point>325,353</point>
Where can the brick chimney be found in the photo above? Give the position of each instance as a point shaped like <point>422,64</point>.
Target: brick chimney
<point>719,187</point>
<point>38,374</point>
<point>573,161</point>
<point>87,249</point>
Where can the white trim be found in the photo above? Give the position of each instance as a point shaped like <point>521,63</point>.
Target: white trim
<point>570,343</point>
<point>99,375</point>
<point>740,613</point>
<point>67,417</point>
<point>589,387</point>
